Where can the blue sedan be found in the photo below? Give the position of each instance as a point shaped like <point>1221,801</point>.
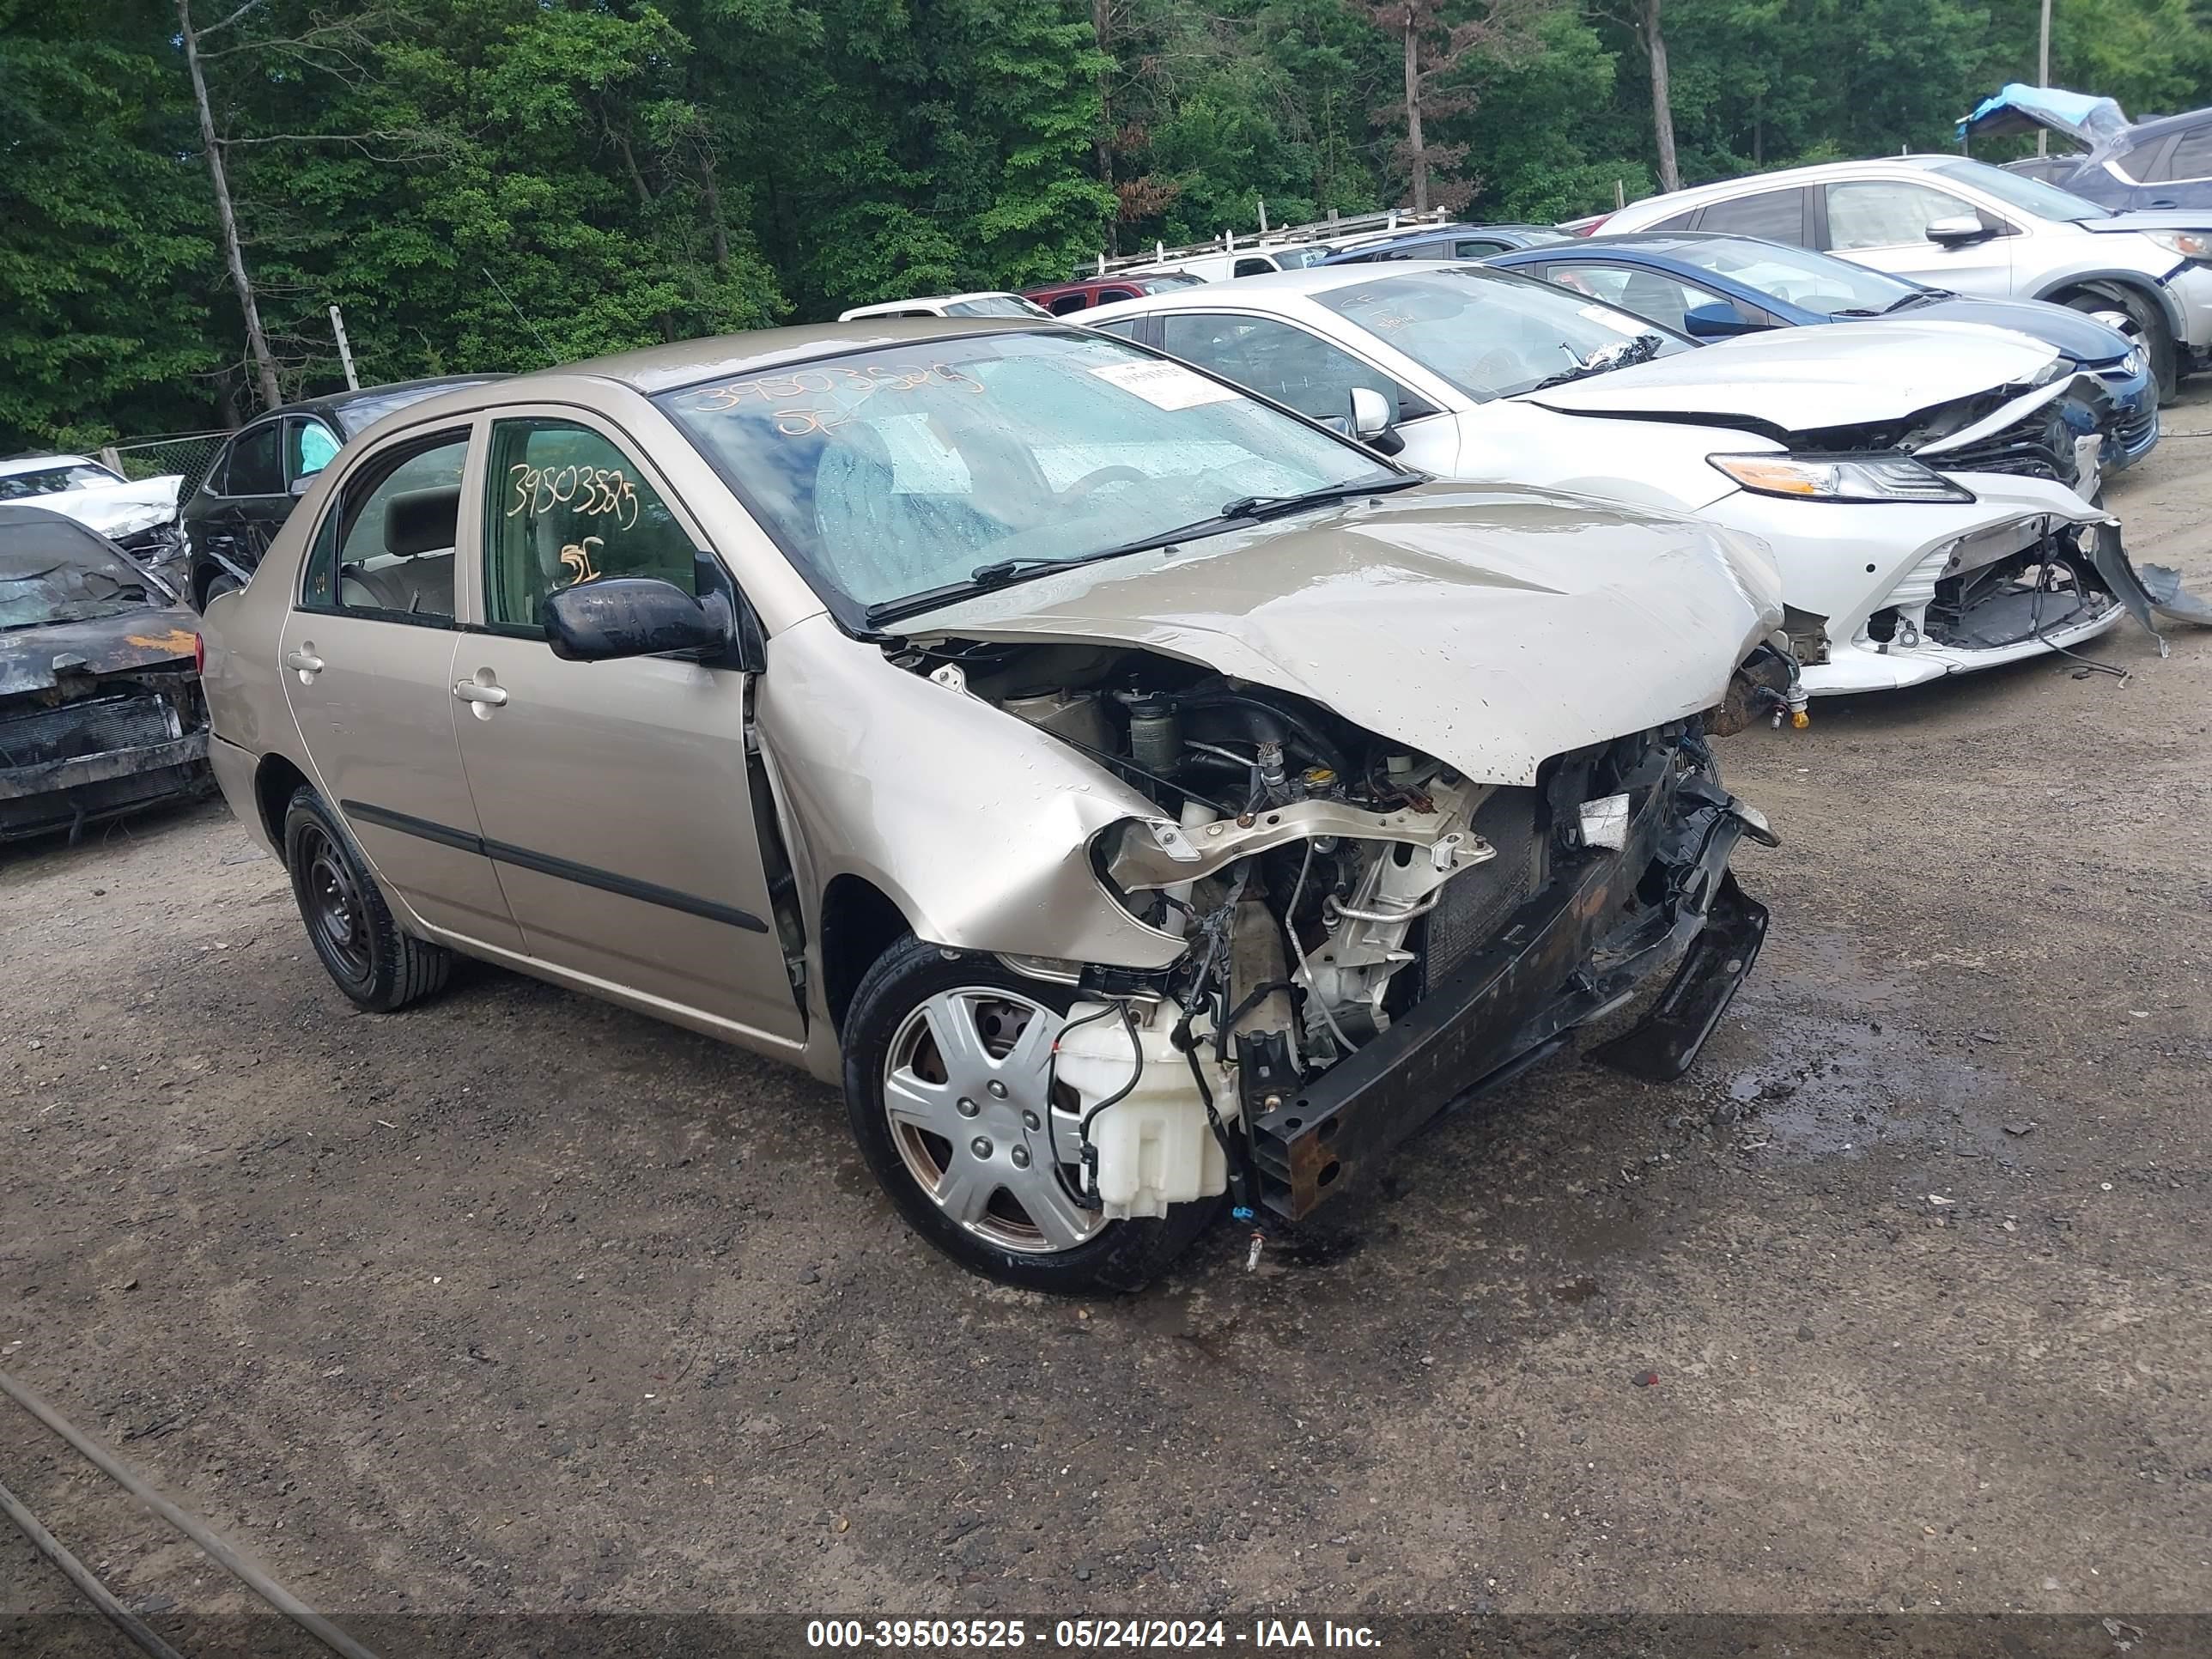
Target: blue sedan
<point>1710,286</point>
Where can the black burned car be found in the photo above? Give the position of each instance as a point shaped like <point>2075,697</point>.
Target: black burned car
<point>100,711</point>
<point>255,478</point>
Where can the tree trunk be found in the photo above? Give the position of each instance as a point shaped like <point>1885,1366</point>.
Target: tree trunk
<point>257,343</point>
<point>1416,151</point>
<point>1102,146</point>
<point>711,197</point>
<point>1662,108</point>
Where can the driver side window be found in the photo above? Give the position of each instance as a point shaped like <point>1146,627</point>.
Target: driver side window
<point>1281,360</point>
<point>563,505</point>
<point>1887,213</point>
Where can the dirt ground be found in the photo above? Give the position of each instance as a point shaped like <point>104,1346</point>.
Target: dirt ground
<point>517,1301</point>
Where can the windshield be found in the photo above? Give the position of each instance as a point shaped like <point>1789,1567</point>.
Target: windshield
<point>2028,195</point>
<point>995,305</point>
<point>1298,259</point>
<point>895,471</point>
<point>1489,332</point>
<point>54,570</point>
<point>53,480</point>
<point>1814,281</point>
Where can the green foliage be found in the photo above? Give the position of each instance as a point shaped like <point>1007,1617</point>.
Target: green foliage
<point>504,183</point>
<point>105,241</point>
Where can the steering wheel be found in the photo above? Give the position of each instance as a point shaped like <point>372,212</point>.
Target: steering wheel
<point>1098,480</point>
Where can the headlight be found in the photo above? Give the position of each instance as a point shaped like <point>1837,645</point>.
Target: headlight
<point>1840,477</point>
<point>2189,244</point>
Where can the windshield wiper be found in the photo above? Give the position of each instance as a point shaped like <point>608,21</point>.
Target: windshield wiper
<point>1002,572</point>
<point>1269,506</point>
<point>1641,349</point>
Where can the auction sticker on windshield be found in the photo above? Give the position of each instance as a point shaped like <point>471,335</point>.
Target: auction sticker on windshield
<point>1166,386</point>
<point>1617,321</point>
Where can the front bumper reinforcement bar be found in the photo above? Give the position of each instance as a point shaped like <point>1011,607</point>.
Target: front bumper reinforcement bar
<point>1573,951</point>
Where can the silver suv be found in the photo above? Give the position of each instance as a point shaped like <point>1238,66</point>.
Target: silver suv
<point>1953,223</point>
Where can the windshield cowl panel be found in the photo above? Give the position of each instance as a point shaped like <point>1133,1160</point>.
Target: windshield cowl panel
<point>897,472</point>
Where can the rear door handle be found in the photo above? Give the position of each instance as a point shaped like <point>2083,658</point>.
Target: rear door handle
<point>305,661</point>
<point>470,691</point>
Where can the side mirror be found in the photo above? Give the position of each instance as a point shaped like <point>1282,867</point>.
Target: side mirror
<point>301,485</point>
<point>1717,319</point>
<point>1371,413</point>
<point>617,616</point>
<point>1959,232</point>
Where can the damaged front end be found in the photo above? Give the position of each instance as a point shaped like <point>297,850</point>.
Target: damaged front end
<point>1369,934</point>
<point>100,710</point>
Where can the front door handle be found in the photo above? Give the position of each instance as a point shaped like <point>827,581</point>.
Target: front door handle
<point>304,662</point>
<point>472,691</point>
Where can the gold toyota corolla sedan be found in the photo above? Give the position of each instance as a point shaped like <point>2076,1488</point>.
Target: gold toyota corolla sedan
<point>1137,796</point>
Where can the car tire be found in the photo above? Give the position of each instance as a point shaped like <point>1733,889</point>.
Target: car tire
<point>2150,329</point>
<point>218,585</point>
<point>353,932</point>
<point>916,989</point>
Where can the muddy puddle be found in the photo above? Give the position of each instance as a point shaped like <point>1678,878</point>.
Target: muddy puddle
<point>1842,1066</point>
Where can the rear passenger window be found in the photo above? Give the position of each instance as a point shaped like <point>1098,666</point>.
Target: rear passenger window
<point>1772,216</point>
<point>386,548</point>
<point>1476,250</point>
<point>1254,267</point>
<point>1070,302</point>
<point>564,506</point>
<point>2192,158</point>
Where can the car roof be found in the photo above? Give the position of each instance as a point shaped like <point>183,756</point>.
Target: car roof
<point>1786,179</point>
<point>337,404</point>
<point>1128,278</point>
<point>2159,126</point>
<point>1303,285</point>
<point>41,463</point>
<point>936,300</point>
<point>21,518</point>
<point>653,369</point>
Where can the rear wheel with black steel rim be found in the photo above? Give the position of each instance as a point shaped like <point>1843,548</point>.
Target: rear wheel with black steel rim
<point>948,1082</point>
<point>349,925</point>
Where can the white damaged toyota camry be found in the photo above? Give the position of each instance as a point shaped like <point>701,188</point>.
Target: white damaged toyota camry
<point>1931,505</point>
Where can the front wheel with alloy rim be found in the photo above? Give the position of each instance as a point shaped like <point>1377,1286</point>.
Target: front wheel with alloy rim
<point>949,1081</point>
<point>349,925</point>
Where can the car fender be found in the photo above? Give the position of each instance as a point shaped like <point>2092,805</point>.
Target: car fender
<point>2139,282</point>
<point>977,825</point>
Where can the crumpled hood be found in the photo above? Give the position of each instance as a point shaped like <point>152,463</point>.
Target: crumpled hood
<point>1491,628</point>
<point>1795,379</point>
<point>152,636</point>
<point>118,509</point>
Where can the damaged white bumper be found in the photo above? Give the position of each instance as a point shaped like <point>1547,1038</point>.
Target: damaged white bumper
<point>1875,587</point>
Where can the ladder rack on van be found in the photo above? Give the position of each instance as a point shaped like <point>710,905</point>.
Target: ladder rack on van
<point>1336,228</point>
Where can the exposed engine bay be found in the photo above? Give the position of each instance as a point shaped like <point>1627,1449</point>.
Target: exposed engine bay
<point>1326,881</point>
